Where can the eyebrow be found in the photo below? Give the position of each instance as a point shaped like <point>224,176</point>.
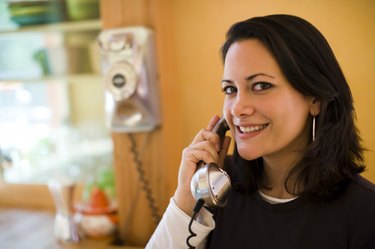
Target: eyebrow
<point>249,78</point>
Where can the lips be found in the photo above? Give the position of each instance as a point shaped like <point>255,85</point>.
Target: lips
<point>251,128</point>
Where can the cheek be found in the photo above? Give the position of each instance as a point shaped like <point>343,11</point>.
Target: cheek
<point>226,108</point>
<point>289,107</point>
<point>291,121</point>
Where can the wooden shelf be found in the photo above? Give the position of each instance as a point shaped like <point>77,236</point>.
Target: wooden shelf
<point>73,26</point>
<point>59,78</point>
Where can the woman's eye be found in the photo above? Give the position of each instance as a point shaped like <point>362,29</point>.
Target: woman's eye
<point>261,86</point>
<point>229,89</point>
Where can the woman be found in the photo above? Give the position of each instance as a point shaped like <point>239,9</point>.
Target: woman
<point>297,158</point>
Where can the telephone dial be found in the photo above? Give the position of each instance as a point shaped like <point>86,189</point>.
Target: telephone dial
<point>210,183</point>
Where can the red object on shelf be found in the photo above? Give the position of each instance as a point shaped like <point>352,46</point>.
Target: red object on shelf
<point>97,204</point>
<point>97,217</point>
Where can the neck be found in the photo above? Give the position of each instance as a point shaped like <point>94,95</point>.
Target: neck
<point>277,167</point>
<point>276,171</point>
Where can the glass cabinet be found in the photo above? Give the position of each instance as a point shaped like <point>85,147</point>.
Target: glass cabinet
<point>52,103</point>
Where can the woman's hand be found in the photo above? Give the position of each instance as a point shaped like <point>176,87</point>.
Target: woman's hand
<point>205,147</point>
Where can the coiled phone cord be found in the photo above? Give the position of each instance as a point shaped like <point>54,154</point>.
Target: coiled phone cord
<point>198,206</point>
<point>144,182</point>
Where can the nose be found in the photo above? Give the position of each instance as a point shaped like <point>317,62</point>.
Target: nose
<point>242,105</point>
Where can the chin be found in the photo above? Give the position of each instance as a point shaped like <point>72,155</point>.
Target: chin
<point>247,154</point>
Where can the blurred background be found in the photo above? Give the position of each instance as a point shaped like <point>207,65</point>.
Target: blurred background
<point>52,117</point>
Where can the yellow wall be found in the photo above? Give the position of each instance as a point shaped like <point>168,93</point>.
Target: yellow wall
<point>190,36</point>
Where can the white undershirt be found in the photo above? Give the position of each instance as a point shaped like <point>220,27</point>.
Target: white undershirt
<point>274,200</point>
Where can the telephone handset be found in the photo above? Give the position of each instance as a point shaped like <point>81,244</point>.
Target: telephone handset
<point>210,183</point>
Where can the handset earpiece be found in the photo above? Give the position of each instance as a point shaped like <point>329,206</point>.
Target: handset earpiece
<point>210,183</point>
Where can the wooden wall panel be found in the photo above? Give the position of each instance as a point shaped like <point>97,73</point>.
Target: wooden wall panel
<point>136,220</point>
<point>137,223</point>
<point>119,13</point>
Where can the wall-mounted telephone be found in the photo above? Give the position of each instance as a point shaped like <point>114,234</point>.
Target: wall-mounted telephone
<point>131,79</point>
<point>131,89</point>
<point>210,183</point>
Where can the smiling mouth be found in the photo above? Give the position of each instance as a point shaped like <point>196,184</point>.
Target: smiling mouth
<point>247,129</point>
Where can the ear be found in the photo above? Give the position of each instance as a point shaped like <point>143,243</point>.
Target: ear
<point>315,107</point>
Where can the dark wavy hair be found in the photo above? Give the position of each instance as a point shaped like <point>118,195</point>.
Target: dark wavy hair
<point>309,64</point>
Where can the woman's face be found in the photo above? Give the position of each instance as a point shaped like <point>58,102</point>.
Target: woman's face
<point>267,116</point>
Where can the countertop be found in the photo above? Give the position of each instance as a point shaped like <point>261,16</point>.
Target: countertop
<point>31,229</point>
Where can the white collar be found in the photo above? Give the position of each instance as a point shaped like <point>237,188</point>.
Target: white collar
<point>274,200</point>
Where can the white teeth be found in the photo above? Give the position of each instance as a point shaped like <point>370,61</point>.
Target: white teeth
<point>252,128</point>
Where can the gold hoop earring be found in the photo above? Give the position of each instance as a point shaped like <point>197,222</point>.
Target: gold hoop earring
<point>313,129</point>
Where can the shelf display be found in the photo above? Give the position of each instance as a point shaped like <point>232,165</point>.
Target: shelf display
<point>82,9</point>
<point>36,11</point>
<point>32,12</point>
<point>34,55</point>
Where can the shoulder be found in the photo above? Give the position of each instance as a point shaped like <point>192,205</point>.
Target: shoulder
<point>360,195</point>
<point>362,186</point>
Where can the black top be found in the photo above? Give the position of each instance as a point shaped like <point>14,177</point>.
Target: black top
<point>348,221</point>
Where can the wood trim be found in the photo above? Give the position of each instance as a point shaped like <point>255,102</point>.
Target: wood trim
<point>119,13</point>
<point>30,196</point>
<point>25,196</point>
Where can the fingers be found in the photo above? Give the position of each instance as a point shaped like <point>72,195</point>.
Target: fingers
<point>209,141</point>
<point>202,151</point>
<point>212,122</point>
<point>207,135</point>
